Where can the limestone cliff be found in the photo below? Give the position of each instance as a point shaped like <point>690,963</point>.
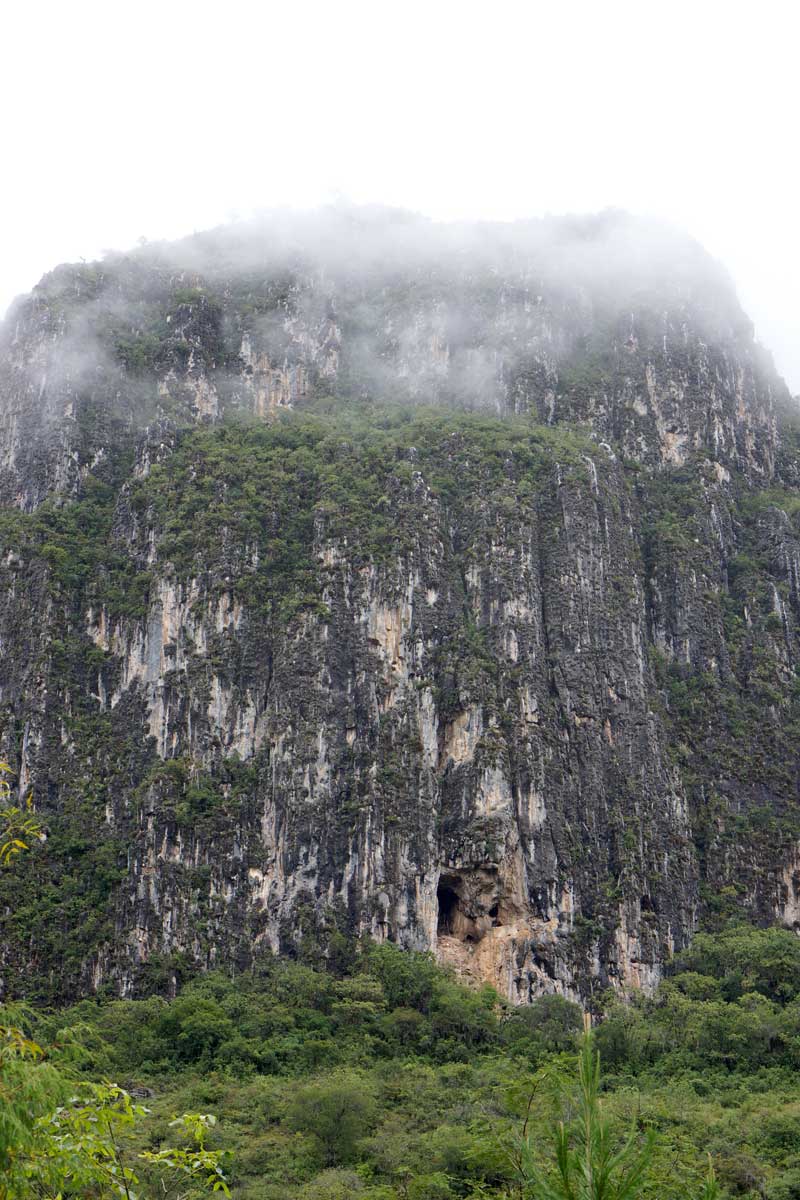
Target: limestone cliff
<point>361,575</point>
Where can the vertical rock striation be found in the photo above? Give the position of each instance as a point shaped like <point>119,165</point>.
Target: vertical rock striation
<point>364,576</point>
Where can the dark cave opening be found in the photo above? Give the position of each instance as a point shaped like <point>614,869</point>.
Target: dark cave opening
<point>469,904</point>
<point>448,907</point>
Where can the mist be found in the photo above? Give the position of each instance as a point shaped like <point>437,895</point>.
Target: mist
<point>122,124</point>
<point>588,319</point>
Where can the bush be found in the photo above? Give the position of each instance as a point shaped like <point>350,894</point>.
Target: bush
<point>744,959</point>
<point>549,1024</point>
<point>337,1113</point>
<point>785,1187</point>
<point>333,1185</point>
<point>430,1187</point>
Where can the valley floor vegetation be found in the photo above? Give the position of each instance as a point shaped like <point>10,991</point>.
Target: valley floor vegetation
<point>379,1076</point>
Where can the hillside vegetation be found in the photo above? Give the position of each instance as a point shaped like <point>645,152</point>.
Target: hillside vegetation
<point>382,1077</point>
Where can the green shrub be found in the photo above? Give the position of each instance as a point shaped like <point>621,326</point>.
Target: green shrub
<point>333,1184</point>
<point>430,1187</point>
<point>337,1113</point>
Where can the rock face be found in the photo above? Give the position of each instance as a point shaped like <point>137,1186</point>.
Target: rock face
<point>488,646</point>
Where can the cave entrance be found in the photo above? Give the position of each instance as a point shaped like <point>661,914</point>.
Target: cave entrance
<point>476,918</point>
<point>449,908</point>
<point>468,904</point>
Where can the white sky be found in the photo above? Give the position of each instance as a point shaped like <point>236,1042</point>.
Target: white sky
<point>125,120</point>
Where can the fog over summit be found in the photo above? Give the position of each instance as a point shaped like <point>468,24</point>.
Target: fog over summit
<point>688,115</point>
<point>620,323</point>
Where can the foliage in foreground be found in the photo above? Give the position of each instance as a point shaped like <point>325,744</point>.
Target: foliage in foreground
<point>590,1162</point>
<point>62,1136</point>
<point>588,1165</point>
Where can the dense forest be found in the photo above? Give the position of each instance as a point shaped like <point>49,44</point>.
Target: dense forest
<point>378,1075</point>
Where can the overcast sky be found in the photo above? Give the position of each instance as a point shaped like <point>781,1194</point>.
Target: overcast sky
<point>128,120</point>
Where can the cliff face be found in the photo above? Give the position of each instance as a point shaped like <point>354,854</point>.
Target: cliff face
<point>488,646</point>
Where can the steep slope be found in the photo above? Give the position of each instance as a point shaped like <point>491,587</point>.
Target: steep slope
<point>294,646</point>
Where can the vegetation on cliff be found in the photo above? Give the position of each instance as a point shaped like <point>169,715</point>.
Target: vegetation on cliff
<point>248,510</point>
